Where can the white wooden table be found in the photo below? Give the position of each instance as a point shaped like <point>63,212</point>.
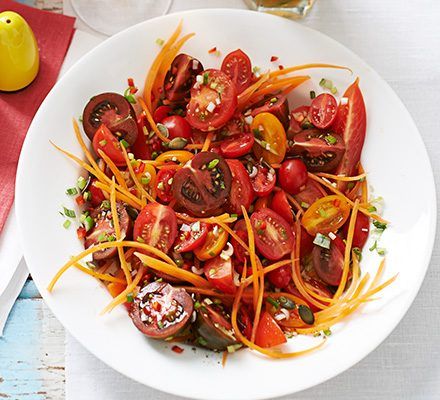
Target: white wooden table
<point>401,41</point>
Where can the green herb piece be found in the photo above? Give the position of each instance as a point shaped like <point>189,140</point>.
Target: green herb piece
<point>330,139</point>
<point>205,78</point>
<point>256,69</point>
<point>273,302</point>
<point>305,205</point>
<point>212,254</point>
<point>201,341</point>
<point>69,213</point>
<point>322,213</point>
<point>67,224</point>
<point>102,237</point>
<point>72,191</point>
<point>350,185</point>
<point>154,155</point>
<point>197,305</point>
<point>129,96</point>
<point>312,94</point>
<point>140,239</point>
<point>260,231</point>
<point>87,195</point>
<point>90,264</point>
<point>322,241</point>
<point>306,314</point>
<point>125,143</point>
<point>213,163</point>
<point>81,183</point>
<point>105,205</point>
<point>161,185</point>
<point>233,215</point>
<point>381,251</point>
<point>88,223</point>
<point>374,246</point>
<point>327,332</point>
<point>234,347</point>
<point>372,209</point>
<point>358,252</point>
<point>380,225</point>
<point>160,41</point>
<point>102,142</point>
<point>145,180</point>
<point>130,298</point>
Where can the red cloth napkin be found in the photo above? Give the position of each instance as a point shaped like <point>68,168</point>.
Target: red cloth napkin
<point>53,33</point>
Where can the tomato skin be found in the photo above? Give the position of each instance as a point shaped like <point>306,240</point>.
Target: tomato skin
<point>161,112</point>
<point>264,181</point>
<point>214,244</point>
<point>298,119</point>
<point>281,206</point>
<point>326,215</point>
<point>273,134</point>
<point>329,264</point>
<point>239,252</point>
<point>106,142</point>
<point>177,127</point>
<point>269,334</point>
<point>293,175</point>
<point>97,195</point>
<point>244,322</point>
<point>238,67</point>
<point>156,225</point>
<point>188,241</point>
<point>241,193</point>
<point>237,146</point>
<point>273,236</point>
<point>202,95</point>
<point>361,230</point>
<point>323,110</point>
<point>281,277</point>
<point>220,273</point>
<point>351,124</point>
<point>145,146</point>
<point>306,243</point>
<point>262,202</point>
<point>163,187</point>
<point>310,193</point>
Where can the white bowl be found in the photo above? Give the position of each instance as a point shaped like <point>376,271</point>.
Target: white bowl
<point>392,139</point>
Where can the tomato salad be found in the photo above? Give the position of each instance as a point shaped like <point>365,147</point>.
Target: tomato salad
<point>218,214</point>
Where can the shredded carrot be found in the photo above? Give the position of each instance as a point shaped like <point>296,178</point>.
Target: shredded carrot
<point>103,277</point>
<point>225,218</point>
<point>115,170</point>
<point>224,358</point>
<point>268,269</point>
<point>272,87</point>
<point>151,121</point>
<point>244,97</point>
<point>208,141</point>
<point>122,298</point>
<point>295,68</point>
<point>294,203</point>
<point>117,228</point>
<point>194,146</point>
<point>131,200</point>
<point>173,270</point>
<point>151,77</point>
<point>234,235</point>
<point>341,177</point>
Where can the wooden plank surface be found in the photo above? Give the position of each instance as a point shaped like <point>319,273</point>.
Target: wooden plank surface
<point>32,351</point>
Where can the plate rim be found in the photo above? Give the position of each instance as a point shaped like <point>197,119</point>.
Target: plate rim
<point>433,207</point>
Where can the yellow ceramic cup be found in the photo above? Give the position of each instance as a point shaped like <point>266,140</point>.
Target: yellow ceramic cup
<point>19,56</point>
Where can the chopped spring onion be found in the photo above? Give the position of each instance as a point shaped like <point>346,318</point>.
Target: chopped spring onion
<point>381,251</point>
<point>371,209</point>
<point>322,241</point>
<point>380,225</point>
<point>160,186</point>
<point>330,139</point>
<point>81,183</point>
<point>87,195</point>
<point>88,223</point>
<point>69,213</point>
<point>103,142</point>
<point>140,239</point>
<point>234,347</point>
<point>67,224</point>
<point>273,302</point>
<point>312,94</point>
<point>205,78</point>
<point>358,252</point>
<point>130,298</point>
<point>326,83</point>
<point>197,305</point>
<point>129,96</point>
<point>105,205</point>
<point>322,213</point>
<point>145,180</point>
<point>72,191</point>
<point>160,41</point>
<point>327,332</point>
<point>305,205</point>
<point>213,163</point>
<point>374,246</point>
<point>125,143</point>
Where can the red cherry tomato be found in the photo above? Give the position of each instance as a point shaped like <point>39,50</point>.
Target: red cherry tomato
<point>213,101</point>
<point>309,194</point>
<point>220,273</point>
<point>106,142</point>
<point>156,225</point>
<point>237,66</point>
<point>145,146</point>
<point>241,193</point>
<point>177,127</point>
<point>281,277</point>
<point>239,252</point>
<point>293,175</point>
<point>323,110</point>
<point>263,181</point>
<point>351,124</point>
<point>97,197</point>
<point>361,230</point>
<point>164,184</point>
<point>262,202</point>
<point>281,206</point>
<point>269,333</point>
<point>306,243</point>
<point>313,284</point>
<point>161,113</point>
<point>298,120</point>
<point>244,322</point>
<point>193,238</point>
<point>237,145</point>
<point>273,237</point>
<point>329,264</point>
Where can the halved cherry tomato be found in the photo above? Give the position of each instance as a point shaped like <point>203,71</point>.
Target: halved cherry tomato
<point>323,110</point>
<point>269,334</point>
<point>289,304</point>
<point>147,171</point>
<point>214,243</point>
<point>306,243</point>
<point>329,264</point>
<point>237,66</point>
<point>164,184</point>
<point>220,273</point>
<point>361,230</point>
<point>351,124</point>
<point>263,180</point>
<point>145,145</point>
<point>273,237</point>
<point>316,285</point>
<point>299,120</point>
<point>326,215</point>
<point>244,322</point>
<point>156,225</point>
<point>262,202</point>
<point>177,127</point>
<point>175,156</point>
<point>292,175</point>
<point>237,146</point>
<point>309,194</point>
<point>270,138</point>
<point>192,238</point>
<point>277,105</point>
<point>106,142</point>
<point>241,193</point>
<point>281,206</point>
<point>239,252</point>
<point>97,196</point>
<point>161,113</point>
<point>213,101</point>
<point>281,277</point>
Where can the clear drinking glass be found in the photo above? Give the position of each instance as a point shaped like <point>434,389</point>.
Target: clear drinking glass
<point>284,8</point>
<point>111,16</point>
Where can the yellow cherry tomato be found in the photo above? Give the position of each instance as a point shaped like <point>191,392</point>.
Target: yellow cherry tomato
<point>19,56</point>
<point>177,156</point>
<point>214,244</point>
<point>270,138</point>
<point>326,215</point>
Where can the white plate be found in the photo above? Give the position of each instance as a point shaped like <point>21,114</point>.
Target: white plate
<point>44,174</point>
